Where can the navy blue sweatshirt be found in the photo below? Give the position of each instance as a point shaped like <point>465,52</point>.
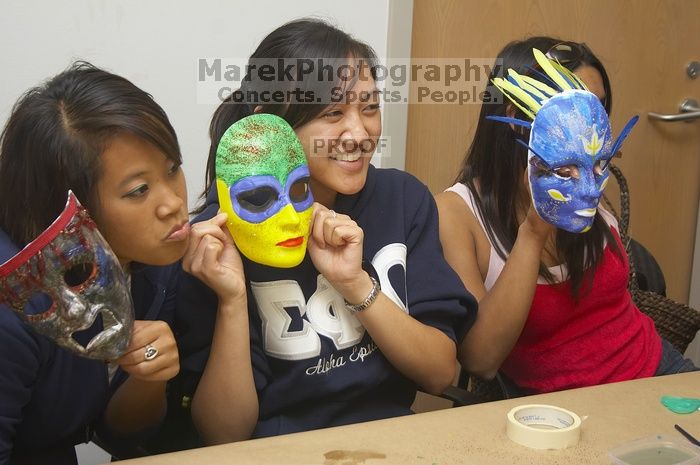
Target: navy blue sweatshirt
<point>314,365</point>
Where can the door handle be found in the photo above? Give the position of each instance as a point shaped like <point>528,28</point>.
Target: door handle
<point>688,111</point>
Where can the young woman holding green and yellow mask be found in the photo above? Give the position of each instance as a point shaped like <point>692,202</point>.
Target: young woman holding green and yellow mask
<point>350,332</point>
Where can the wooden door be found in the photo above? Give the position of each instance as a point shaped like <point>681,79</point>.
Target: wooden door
<point>644,45</point>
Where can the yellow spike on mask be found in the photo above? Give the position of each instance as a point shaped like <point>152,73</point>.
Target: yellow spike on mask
<point>572,77</point>
<point>526,99</point>
<point>511,91</point>
<point>525,85</point>
<point>540,85</point>
<point>546,65</point>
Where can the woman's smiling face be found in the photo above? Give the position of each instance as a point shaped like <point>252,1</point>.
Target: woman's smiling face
<point>339,143</point>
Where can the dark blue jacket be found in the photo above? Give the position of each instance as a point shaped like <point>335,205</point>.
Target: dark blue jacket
<point>50,399</point>
<point>314,365</point>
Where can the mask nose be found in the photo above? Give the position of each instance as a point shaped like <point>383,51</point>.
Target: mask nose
<point>288,216</point>
<point>588,188</point>
<point>76,309</point>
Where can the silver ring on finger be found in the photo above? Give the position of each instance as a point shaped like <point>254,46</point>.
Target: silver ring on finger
<point>149,352</point>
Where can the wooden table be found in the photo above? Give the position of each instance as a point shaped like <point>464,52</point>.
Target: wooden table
<point>615,414</point>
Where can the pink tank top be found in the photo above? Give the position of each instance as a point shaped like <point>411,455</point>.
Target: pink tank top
<point>601,338</point>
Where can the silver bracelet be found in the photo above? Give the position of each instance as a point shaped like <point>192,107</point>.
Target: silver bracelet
<point>369,300</point>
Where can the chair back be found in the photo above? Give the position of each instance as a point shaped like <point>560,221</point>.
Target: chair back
<point>675,322</point>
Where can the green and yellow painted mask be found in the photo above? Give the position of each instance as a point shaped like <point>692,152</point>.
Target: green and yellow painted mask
<point>262,181</point>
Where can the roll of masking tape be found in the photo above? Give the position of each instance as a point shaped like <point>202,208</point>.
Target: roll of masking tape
<point>543,426</point>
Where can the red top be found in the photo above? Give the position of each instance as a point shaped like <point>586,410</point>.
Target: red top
<point>602,338</point>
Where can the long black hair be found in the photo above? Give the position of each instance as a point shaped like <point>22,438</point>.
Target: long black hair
<point>297,44</point>
<point>494,165</point>
<point>54,137</point>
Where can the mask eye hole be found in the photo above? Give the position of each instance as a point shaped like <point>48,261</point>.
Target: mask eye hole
<point>299,191</point>
<point>257,200</point>
<point>78,274</point>
<point>566,172</point>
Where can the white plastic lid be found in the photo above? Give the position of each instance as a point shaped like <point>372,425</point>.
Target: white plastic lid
<point>656,450</point>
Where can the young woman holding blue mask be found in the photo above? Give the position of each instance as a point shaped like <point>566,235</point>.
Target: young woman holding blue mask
<point>554,310</point>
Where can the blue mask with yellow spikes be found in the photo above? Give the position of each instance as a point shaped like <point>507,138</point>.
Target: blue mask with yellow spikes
<point>570,143</point>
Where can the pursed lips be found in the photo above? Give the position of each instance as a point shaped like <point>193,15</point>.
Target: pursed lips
<point>178,232</point>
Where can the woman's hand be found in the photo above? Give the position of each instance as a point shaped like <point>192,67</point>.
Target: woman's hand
<point>150,336</point>
<point>533,223</point>
<point>225,403</point>
<point>335,247</point>
<point>213,257</point>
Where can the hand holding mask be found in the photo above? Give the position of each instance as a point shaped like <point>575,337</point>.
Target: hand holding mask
<point>67,278</point>
<point>570,142</point>
<point>263,186</point>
